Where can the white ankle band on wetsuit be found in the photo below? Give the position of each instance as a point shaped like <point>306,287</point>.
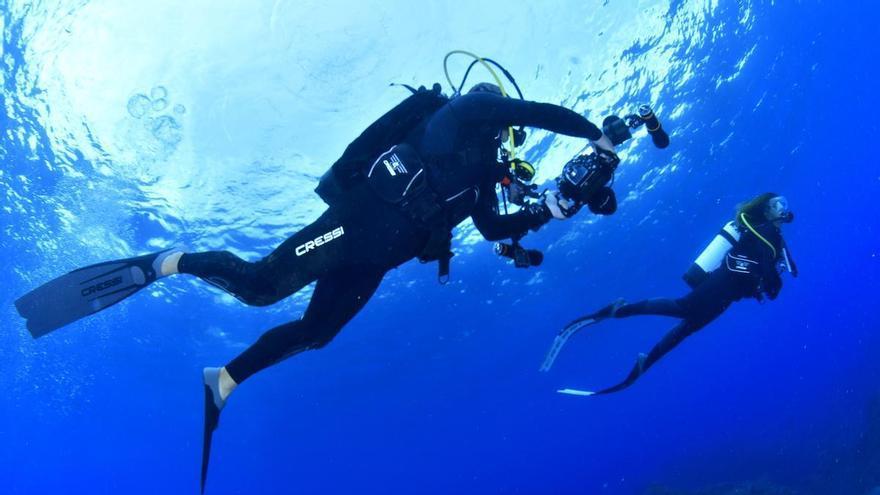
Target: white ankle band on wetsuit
<point>227,384</point>
<point>166,263</point>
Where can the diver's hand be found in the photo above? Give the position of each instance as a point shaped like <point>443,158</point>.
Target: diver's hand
<point>604,143</point>
<point>608,158</point>
<point>560,207</point>
<point>772,287</point>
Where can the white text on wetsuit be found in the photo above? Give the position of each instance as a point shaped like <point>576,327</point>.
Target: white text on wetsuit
<point>319,241</point>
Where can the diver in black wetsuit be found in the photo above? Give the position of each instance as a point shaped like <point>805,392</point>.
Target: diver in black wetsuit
<point>376,222</point>
<point>744,260</point>
<point>356,241</point>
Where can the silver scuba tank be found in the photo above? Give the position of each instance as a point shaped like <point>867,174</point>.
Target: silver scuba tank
<point>711,257</point>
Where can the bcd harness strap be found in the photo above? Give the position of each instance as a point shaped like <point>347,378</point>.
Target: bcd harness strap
<point>759,236</point>
<point>425,209</point>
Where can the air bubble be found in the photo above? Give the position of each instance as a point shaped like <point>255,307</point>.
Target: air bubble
<point>167,130</point>
<point>159,92</point>
<point>138,105</point>
<point>160,104</point>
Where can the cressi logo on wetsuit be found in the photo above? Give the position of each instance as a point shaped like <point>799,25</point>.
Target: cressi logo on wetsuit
<point>319,241</point>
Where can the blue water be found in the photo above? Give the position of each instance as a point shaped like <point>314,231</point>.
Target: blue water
<point>131,126</point>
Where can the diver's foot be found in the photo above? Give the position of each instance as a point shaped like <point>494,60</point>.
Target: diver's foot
<point>218,382</point>
<point>165,262</point>
<point>609,311</point>
<point>640,362</point>
<point>215,400</point>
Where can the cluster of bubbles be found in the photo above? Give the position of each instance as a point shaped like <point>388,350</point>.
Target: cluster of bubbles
<point>152,110</point>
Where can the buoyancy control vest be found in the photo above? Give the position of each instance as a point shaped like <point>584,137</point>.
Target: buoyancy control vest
<point>387,131</point>
<point>722,251</point>
<point>395,172</point>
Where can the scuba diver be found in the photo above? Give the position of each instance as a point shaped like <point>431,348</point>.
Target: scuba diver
<point>395,194</point>
<point>744,260</point>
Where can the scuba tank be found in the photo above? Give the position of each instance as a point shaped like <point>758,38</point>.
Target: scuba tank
<point>711,257</point>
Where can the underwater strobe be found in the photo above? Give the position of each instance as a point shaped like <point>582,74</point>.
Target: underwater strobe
<point>522,257</point>
<point>619,130</point>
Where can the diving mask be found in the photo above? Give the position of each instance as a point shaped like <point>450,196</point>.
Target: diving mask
<point>779,210</point>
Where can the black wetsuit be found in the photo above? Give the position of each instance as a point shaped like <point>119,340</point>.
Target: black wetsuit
<point>749,270</point>
<point>348,250</point>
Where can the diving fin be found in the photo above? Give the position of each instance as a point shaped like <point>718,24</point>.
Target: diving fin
<point>213,405</point>
<point>572,328</point>
<point>86,291</point>
<point>571,391</point>
<point>562,338</point>
<point>636,372</point>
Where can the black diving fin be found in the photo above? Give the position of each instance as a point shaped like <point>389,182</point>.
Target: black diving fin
<point>562,337</point>
<point>636,372</point>
<point>212,416</point>
<point>86,291</point>
<point>574,327</point>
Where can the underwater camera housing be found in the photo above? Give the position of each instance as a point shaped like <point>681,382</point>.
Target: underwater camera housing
<point>586,176</point>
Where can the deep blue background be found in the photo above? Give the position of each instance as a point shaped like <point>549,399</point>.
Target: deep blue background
<point>433,390</point>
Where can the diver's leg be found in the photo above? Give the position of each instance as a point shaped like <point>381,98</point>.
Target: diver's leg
<point>707,301</point>
<point>617,309</point>
<point>667,343</point>
<point>620,309</point>
<point>289,268</point>
<point>658,307</point>
<point>337,299</point>
<point>249,282</point>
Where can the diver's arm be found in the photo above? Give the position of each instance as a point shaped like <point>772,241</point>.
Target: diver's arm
<point>498,111</point>
<point>771,271</point>
<point>768,259</point>
<point>771,282</point>
<point>495,227</point>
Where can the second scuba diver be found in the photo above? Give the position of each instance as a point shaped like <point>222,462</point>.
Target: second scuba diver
<point>394,195</point>
<point>744,260</point>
